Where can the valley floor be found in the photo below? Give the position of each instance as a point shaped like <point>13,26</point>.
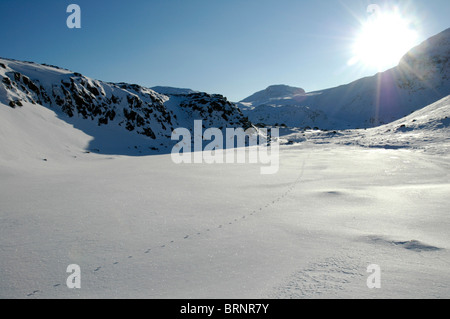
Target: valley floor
<point>143,227</point>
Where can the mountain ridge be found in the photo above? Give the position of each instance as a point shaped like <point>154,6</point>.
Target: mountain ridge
<point>129,107</point>
<point>421,78</point>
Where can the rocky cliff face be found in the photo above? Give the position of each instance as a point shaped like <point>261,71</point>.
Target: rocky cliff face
<point>129,106</point>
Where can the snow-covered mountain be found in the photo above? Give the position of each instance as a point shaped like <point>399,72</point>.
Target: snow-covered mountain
<point>421,78</point>
<point>145,227</point>
<point>127,112</point>
<point>427,129</point>
<point>274,92</point>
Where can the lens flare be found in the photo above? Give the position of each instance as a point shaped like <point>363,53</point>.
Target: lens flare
<point>383,40</point>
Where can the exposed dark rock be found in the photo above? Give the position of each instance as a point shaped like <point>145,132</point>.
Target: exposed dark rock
<point>7,81</point>
<point>132,107</point>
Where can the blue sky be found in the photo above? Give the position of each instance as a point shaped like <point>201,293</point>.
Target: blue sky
<point>231,47</point>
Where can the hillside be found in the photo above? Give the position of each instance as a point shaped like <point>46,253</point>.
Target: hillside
<point>145,227</point>
<point>421,78</point>
<point>426,130</point>
<point>122,118</point>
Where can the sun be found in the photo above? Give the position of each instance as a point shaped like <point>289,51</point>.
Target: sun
<point>383,40</point>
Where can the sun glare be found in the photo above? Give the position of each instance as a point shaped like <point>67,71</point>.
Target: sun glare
<point>383,40</point>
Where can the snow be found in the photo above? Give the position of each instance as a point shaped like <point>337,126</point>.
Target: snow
<point>144,227</point>
<point>167,90</point>
<point>33,133</point>
<point>426,130</point>
<point>112,201</point>
<point>121,118</point>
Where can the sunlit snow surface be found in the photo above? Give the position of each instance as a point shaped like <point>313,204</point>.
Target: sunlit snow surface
<point>143,227</point>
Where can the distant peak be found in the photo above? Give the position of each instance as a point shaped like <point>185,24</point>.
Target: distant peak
<point>275,91</point>
<point>168,90</point>
<point>282,88</point>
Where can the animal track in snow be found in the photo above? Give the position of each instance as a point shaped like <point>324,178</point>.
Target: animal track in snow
<point>236,220</point>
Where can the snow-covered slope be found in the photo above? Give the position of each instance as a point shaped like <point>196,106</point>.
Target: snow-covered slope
<point>144,227</point>
<point>113,112</point>
<point>275,92</point>
<point>34,132</point>
<point>421,78</point>
<point>427,129</point>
